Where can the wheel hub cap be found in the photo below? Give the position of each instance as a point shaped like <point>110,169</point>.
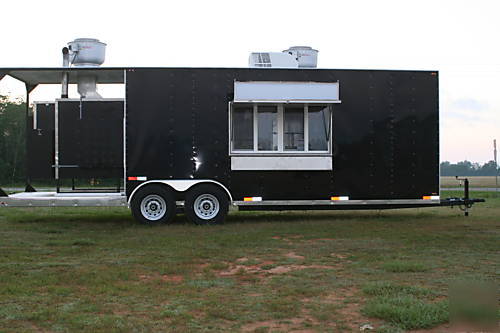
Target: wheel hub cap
<point>153,207</point>
<point>206,206</point>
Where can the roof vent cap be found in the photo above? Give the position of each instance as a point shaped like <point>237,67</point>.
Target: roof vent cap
<point>306,56</point>
<point>87,52</point>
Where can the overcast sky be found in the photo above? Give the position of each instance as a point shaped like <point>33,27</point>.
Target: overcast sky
<point>458,38</point>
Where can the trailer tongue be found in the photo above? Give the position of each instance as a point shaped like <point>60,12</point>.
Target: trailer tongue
<point>464,203</point>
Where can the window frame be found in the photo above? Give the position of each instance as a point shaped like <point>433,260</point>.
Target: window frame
<point>280,119</point>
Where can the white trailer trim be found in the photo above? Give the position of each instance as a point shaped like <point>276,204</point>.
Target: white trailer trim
<point>54,199</point>
<point>290,91</point>
<point>336,202</point>
<point>34,116</point>
<point>180,185</point>
<point>259,163</point>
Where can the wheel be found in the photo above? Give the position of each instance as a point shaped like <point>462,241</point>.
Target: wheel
<point>153,204</point>
<point>206,204</point>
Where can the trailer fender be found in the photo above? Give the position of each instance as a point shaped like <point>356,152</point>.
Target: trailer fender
<point>181,185</point>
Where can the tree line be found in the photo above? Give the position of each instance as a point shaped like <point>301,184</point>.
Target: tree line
<point>12,140</point>
<point>467,168</point>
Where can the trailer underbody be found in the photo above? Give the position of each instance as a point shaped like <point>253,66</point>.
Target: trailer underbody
<point>113,199</point>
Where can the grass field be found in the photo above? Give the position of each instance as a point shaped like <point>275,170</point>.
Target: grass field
<point>474,181</point>
<point>96,270</point>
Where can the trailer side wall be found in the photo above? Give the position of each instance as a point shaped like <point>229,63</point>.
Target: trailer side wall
<point>385,132</point>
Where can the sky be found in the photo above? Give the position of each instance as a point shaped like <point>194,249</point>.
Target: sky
<point>457,38</point>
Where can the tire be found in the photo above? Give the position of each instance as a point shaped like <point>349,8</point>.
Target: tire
<point>206,204</point>
<point>153,204</point>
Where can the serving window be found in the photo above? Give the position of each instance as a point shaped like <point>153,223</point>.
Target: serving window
<point>282,125</point>
<point>279,128</point>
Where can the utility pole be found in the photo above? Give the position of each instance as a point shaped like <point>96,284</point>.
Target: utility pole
<point>496,164</point>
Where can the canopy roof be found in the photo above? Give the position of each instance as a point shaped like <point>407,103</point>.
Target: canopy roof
<point>36,76</point>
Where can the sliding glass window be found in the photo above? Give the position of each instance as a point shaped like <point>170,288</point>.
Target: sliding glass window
<point>267,128</point>
<point>293,131</point>
<point>319,127</point>
<point>242,127</point>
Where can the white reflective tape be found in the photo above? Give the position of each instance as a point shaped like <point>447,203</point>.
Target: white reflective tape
<point>142,178</point>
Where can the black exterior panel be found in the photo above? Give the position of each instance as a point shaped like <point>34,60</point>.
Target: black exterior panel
<point>385,132</point>
<point>90,139</point>
<point>40,145</point>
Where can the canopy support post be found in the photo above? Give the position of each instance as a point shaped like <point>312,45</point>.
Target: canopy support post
<point>29,89</point>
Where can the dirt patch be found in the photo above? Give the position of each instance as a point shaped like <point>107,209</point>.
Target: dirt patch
<point>165,278</point>
<point>146,277</point>
<point>349,309</point>
<point>242,266</point>
<point>281,269</point>
<point>342,295</point>
<point>172,278</point>
<point>283,325</point>
<point>289,239</point>
<point>289,268</point>
<point>319,240</point>
<point>242,259</point>
<point>338,256</point>
<point>296,236</point>
<point>284,239</point>
<point>258,269</point>
<point>348,312</point>
<point>292,255</point>
<point>239,269</point>
<point>121,313</point>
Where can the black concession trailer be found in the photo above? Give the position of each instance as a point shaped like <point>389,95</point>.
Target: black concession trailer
<point>205,139</point>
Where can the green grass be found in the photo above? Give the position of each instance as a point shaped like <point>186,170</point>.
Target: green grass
<point>399,266</point>
<point>405,306</point>
<point>95,269</point>
<point>407,312</point>
<point>390,289</point>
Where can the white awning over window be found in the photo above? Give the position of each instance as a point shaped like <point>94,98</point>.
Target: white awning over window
<point>286,91</point>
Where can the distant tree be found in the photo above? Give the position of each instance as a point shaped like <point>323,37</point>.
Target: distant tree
<point>12,140</point>
<point>488,169</point>
<point>467,168</point>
